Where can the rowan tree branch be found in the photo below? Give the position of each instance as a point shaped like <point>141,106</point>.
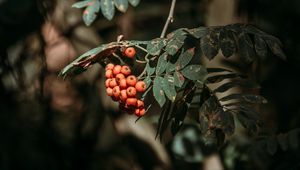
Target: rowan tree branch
<point>169,20</point>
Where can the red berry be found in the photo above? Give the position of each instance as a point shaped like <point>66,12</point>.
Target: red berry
<point>130,52</point>
<point>126,70</point>
<point>107,82</point>
<point>109,66</point>
<point>109,91</point>
<point>140,112</point>
<point>131,102</point>
<point>123,84</point>
<point>131,80</point>
<point>131,92</point>
<point>117,69</point>
<point>140,86</point>
<point>113,83</point>
<point>123,95</point>
<point>116,92</point>
<point>108,73</point>
<point>140,104</point>
<point>119,76</point>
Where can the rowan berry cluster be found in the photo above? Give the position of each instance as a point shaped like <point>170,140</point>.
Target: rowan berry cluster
<point>124,87</point>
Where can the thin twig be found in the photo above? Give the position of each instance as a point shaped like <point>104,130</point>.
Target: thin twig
<point>169,20</point>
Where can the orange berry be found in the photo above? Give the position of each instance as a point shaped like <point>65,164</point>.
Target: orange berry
<point>130,52</point>
<point>113,83</point>
<point>108,73</point>
<point>116,92</point>
<point>117,69</point>
<point>119,77</point>
<point>140,86</point>
<point>131,102</point>
<point>109,91</point>
<point>126,70</point>
<point>140,112</point>
<point>123,95</point>
<point>107,82</point>
<point>131,80</point>
<point>123,84</point>
<point>109,66</point>
<point>140,104</point>
<point>131,92</point>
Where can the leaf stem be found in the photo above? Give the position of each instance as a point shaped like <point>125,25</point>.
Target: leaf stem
<point>169,20</point>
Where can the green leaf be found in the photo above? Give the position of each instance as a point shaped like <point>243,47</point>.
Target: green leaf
<point>89,14</point>
<point>161,63</point>
<point>155,45</point>
<point>209,45</point>
<point>108,9</point>
<point>185,58</point>
<point>82,4</point>
<point>148,81</point>
<point>175,44</point>
<point>121,5</point>
<point>227,43</point>
<point>158,91</point>
<point>169,87</point>
<point>260,46</point>
<point>170,67</point>
<point>150,70</point>
<point>194,72</point>
<point>134,2</point>
<point>178,79</point>
<point>198,32</point>
<point>247,123</point>
<point>246,49</point>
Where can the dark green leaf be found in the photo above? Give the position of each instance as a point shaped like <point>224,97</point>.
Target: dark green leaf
<point>89,14</point>
<point>248,112</point>
<point>175,43</point>
<point>247,123</point>
<point>134,2</point>
<point>150,70</point>
<point>198,32</point>
<point>121,5</point>
<point>251,98</point>
<point>82,4</point>
<point>107,8</point>
<point>170,67</point>
<point>227,43</point>
<point>158,91</point>
<point>169,87</point>
<point>246,49</point>
<point>194,72</point>
<point>163,120</point>
<point>180,113</point>
<point>213,70</point>
<point>234,83</point>
<point>271,145</point>
<point>161,63</point>
<point>210,45</point>
<point>260,46</point>
<point>155,46</point>
<point>275,46</point>
<point>185,58</point>
<point>293,138</point>
<point>219,78</point>
<point>178,79</point>
<point>282,141</point>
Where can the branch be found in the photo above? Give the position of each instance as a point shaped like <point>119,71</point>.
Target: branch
<point>169,20</point>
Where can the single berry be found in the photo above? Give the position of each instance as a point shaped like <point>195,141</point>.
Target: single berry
<point>131,102</point>
<point>116,92</point>
<point>140,112</point>
<point>117,69</point>
<point>113,83</point>
<point>140,104</point>
<point>109,91</point>
<point>126,70</point>
<point>130,52</point>
<point>140,86</point>
<point>108,73</point>
<point>109,66</point>
<point>123,95</point>
<point>119,76</point>
<point>131,80</point>
<point>107,82</point>
<point>123,84</point>
<point>131,92</point>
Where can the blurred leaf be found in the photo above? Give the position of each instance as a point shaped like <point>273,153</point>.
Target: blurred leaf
<point>210,45</point>
<point>155,45</point>
<point>248,112</point>
<point>163,120</point>
<point>194,72</point>
<point>275,46</point>
<point>178,79</point>
<point>233,83</point>
<point>227,43</point>
<point>150,70</point>
<point>251,98</point>
<point>107,8</point>
<point>169,87</point>
<point>260,46</point>
<point>271,145</point>
<point>134,2</point>
<point>219,78</point>
<point>213,70</point>
<point>247,123</point>
<point>161,63</point>
<point>293,138</point>
<point>198,32</point>
<point>185,58</point>
<point>282,141</point>
<point>180,113</point>
<point>89,14</point>
<point>121,5</point>
<point>246,49</point>
<point>82,4</point>
<point>158,91</point>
